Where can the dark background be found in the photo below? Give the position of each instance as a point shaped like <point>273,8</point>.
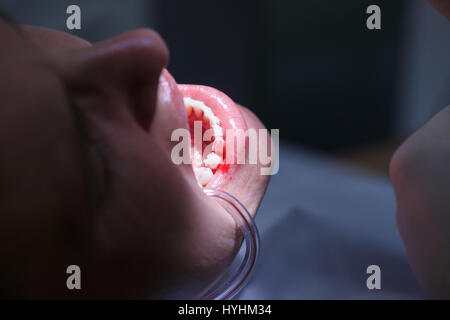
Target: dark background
<point>323,79</point>
<point>309,68</point>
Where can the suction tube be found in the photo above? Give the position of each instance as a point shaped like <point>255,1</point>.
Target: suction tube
<point>237,275</point>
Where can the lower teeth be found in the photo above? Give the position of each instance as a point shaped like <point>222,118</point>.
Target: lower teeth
<point>203,175</point>
<point>212,161</point>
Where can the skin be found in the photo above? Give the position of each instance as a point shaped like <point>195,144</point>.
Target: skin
<point>421,179</point>
<point>420,176</point>
<point>443,6</point>
<point>87,177</point>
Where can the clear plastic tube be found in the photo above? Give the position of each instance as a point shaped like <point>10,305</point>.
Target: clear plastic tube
<point>236,276</point>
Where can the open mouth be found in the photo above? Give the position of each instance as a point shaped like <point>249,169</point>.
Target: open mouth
<point>223,159</point>
<point>213,118</point>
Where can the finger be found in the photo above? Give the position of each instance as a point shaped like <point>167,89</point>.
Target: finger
<point>443,6</point>
<point>421,178</point>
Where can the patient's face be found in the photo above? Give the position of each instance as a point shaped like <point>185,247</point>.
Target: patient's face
<point>86,173</point>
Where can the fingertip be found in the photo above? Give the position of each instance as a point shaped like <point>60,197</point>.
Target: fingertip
<point>443,6</point>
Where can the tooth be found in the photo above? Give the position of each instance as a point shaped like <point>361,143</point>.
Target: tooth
<point>188,109</point>
<point>207,112</point>
<point>218,146</point>
<point>212,160</point>
<point>218,132</point>
<point>203,175</point>
<point>205,118</point>
<point>197,111</point>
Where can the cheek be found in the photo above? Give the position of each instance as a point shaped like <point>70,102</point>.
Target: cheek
<point>145,189</point>
<point>153,216</point>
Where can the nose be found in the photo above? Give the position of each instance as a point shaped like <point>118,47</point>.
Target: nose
<point>126,68</point>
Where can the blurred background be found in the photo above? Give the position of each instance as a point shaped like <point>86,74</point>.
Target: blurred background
<point>343,97</point>
<point>310,68</point>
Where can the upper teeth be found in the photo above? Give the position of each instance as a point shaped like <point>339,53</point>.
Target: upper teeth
<point>199,107</point>
<point>188,109</point>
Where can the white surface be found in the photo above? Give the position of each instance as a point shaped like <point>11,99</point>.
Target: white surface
<point>322,223</point>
